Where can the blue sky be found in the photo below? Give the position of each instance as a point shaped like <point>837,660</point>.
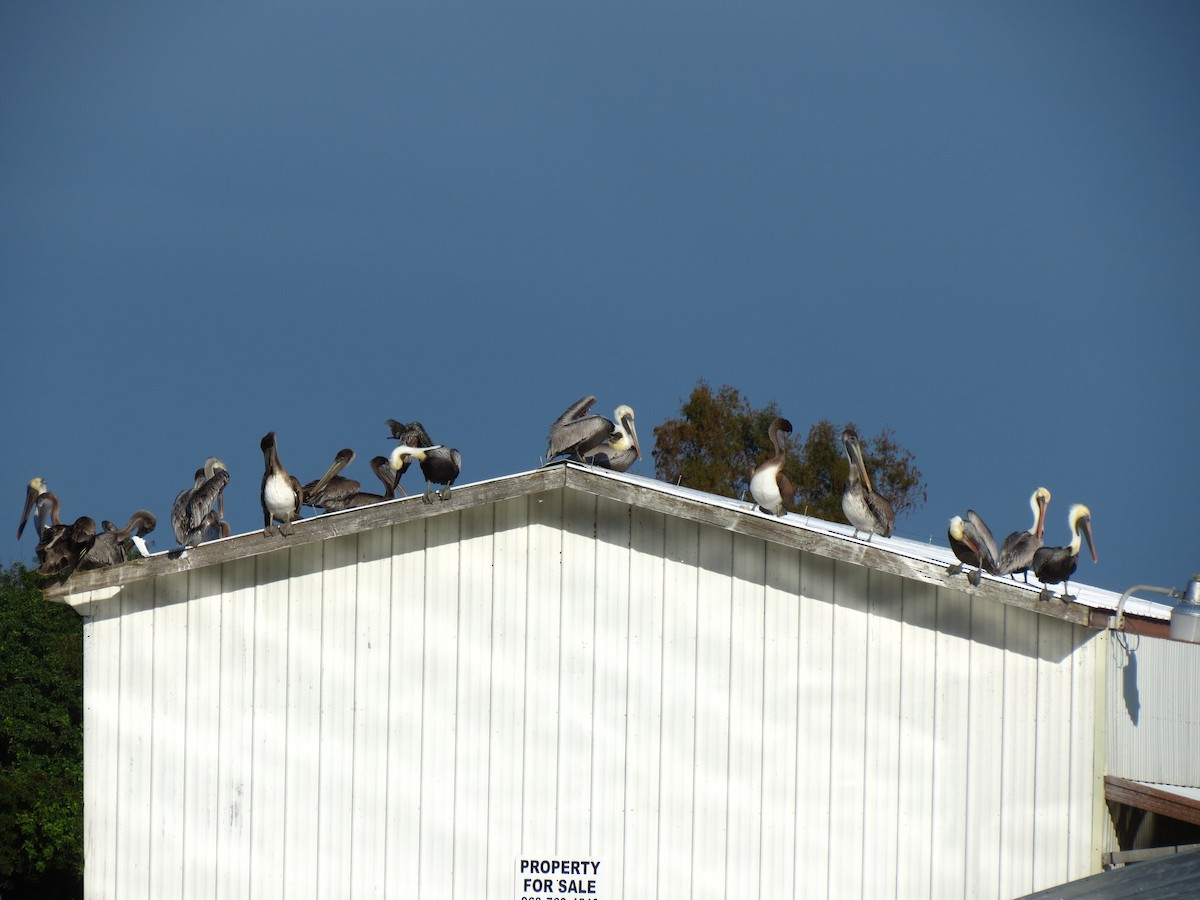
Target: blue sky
<point>977,226</point>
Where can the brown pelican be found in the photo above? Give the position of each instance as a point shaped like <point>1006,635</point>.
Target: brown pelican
<point>768,484</point>
<point>281,493</point>
<point>1054,564</point>
<point>52,531</point>
<point>42,503</point>
<point>190,513</point>
<point>333,492</point>
<point>409,434</point>
<point>973,545</point>
<point>621,450</point>
<point>865,509</point>
<point>1016,553</point>
<point>111,545</point>
<point>69,549</point>
<point>576,432</point>
<point>439,465</point>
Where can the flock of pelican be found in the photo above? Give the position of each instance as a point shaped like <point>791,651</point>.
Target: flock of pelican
<point>970,538</point>
<point>198,513</point>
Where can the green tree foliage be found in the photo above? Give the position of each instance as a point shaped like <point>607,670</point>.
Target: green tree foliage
<point>41,742</point>
<point>719,438</point>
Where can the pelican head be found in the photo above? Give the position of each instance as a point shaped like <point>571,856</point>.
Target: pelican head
<point>628,434</point>
<point>1081,524</point>
<point>396,459</point>
<point>854,453</point>
<point>1039,502</point>
<point>212,465</point>
<point>958,532</point>
<point>35,489</point>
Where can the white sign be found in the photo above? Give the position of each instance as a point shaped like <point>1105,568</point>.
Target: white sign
<point>558,878</point>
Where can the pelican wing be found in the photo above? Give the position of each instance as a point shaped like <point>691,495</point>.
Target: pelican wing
<point>576,410</point>
<point>881,509</point>
<point>578,435</point>
<point>412,434</point>
<point>989,556</point>
<point>205,498</point>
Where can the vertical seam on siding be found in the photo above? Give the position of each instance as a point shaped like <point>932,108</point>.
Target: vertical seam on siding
<point>424,660</point>
<point>833,619</point>
<point>354,704</point>
<point>320,712</point>
<point>525,672</point>
<point>967,794</point>
<point>796,765</point>
<point>729,709</point>
<point>250,860</point>
<point>762,721</point>
<point>628,644</point>
<point>866,724</point>
<point>592,736</point>
<point>662,656</point>
<point>458,590</point>
<point>487,792</point>
<point>695,711</point>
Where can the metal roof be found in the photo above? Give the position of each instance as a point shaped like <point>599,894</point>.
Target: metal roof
<point>925,561</point>
<point>1160,879</point>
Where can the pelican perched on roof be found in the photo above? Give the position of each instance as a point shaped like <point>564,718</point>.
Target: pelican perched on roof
<point>333,492</point>
<point>1054,564</point>
<point>439,465</point>
<point>70,548</point>
<point>280,493</point>
<point>51,533</point>
<point>768,484</point>
<point>409,434</point>
<point>577,431</point>
<point>111,545</point>
<point>973,545</point>
<point>1016,553</point>
<point>866,510</point>
<point>622,449</point>
<point>196,513</point>
<point>42,503</point>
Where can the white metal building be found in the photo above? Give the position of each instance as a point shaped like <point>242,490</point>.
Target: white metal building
<point>404,700</point>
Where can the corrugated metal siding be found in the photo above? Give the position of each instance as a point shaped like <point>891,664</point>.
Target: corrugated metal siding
<point>1154,710</point>
<point>404,711</point>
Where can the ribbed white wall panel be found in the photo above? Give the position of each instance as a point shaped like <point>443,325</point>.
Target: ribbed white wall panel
<point>404,711</point>
<point>1154,710</point>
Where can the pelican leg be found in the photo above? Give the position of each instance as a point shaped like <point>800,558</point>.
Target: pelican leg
<point>428,496</point>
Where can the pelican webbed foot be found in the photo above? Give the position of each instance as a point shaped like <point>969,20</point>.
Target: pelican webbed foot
<point>444,494</point>
<point>955,569</point>
<point>428,495</point>
<point>975,577</point>
<point>1045,594</point>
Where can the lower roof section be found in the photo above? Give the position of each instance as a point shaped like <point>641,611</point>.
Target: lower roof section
<point>1170,878</point>
<point>1177,802</point>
